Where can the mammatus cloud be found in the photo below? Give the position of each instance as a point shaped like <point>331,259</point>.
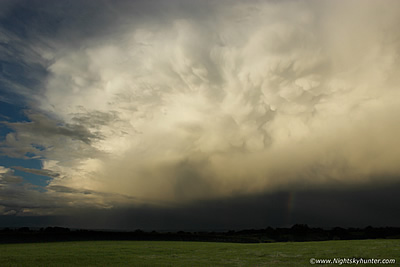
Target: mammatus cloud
<point>229,99</point>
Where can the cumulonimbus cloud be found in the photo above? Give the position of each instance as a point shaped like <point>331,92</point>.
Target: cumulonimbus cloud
<point>246,97</point>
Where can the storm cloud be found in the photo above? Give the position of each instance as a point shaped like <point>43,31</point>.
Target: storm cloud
<point>182,102</point>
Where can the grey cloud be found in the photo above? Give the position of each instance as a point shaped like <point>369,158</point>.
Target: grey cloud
<point>11,179</point>
<point>25,199</point>
<point>110,199</point>
<point>45,126</point>
<point>64,189</point>
<point>95,118</point>
<point>7,176</point>
<point>45,132</point>
<point>345,207</point>
<point>43,172</point>
<point>23,67</point>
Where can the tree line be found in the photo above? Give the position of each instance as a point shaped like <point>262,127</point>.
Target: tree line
<point>297,233</point>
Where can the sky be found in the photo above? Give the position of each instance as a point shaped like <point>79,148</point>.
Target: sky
<point>185,114</point>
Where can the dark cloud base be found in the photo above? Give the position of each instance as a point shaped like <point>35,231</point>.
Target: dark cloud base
<point>377,206</point>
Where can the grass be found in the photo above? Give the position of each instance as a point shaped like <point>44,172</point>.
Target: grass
<point>159,253</point>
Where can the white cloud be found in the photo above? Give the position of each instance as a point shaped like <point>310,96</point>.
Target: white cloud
<point>253,96</point>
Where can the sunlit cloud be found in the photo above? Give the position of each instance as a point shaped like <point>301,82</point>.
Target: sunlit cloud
<point>185,103</point>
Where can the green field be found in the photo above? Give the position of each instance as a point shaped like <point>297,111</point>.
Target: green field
<point>159,253</point>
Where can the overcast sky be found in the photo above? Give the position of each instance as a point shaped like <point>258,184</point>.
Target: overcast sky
<point>199,114</point>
